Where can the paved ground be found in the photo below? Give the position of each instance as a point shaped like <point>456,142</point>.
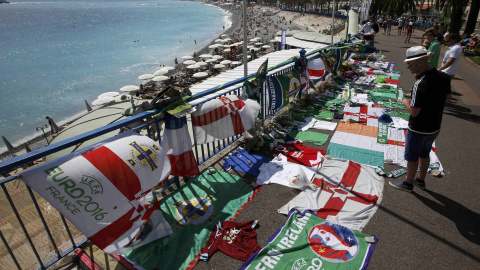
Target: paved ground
<point>434,229</point>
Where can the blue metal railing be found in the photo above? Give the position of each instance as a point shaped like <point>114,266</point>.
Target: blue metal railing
<point>13,253</point>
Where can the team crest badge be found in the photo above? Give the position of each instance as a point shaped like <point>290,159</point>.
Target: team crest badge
<point>293,88</point>
<point>144,155</point>
<point>333,243</point>
<point>194,211</point>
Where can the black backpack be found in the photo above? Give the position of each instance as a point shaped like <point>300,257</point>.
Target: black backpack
<point>375,27</point>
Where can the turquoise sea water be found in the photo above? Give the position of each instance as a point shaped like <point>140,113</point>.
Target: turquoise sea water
<point>55,54</point>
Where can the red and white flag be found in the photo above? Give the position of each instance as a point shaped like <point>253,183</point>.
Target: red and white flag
<point>316,68</point>
<point>223,117</point>
<point>178,145</point>
<point>348,194</point>
<point>369,114</point>
<point>102,189</point>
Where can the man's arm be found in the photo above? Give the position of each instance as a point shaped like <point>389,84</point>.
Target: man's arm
<point>447,99</point>
<point>413,111</point>
<point>448,63</point>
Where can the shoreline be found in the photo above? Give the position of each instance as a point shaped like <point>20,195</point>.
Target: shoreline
<point>235,16</point>
<point>38,141</point>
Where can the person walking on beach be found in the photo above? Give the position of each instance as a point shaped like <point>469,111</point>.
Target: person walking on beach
<point>429,94</point>
<point>451,60</point>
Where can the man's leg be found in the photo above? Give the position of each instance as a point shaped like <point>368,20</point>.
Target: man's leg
<point>411,171</point>
<point>424,163</point>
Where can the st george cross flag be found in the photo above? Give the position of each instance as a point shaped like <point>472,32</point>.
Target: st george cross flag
<point>306,241</point>
<point>223,117</point>
<point>368,114</point>
<point>348,194</point>
<point>102,189</point>
<point>178,145</point>
<point>316,68</point>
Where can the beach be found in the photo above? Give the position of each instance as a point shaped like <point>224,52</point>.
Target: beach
<point>258,25</point>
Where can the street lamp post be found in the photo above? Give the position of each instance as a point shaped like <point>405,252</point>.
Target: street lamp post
<point>42,128</point>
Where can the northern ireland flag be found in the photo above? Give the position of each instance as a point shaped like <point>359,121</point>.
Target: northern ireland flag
<point>366,114</point>
<point>178,145</point>
<point>316,68</point>
<point>348,194</point>
<point>102,189</point>
<point>223,117</point>
<point>357,143</point>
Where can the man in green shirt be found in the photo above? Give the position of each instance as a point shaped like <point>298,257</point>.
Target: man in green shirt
<point>434,49</point>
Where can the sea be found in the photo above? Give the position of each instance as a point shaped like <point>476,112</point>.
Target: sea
<point>55,54</point>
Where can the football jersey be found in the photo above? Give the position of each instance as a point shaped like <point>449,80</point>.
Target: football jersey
<point>298,153</point>
<point>237,240</point>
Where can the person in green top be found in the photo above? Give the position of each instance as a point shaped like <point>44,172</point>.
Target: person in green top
<point>434,49</point>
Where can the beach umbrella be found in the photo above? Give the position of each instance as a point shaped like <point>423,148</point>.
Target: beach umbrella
<point>160,78</point>
<point>227,46</point>
<point>201,64</point>
<point>224,35</point>
<point>256,49</point>
<point>205,56</point>
<point>186,57</point>
<point>167,68</point>
<point>266,46</point>
<point>235,63</point>
<point>146,76</point>
<point>226,40</point>
<point>160,72</point>
<point>102,101</point>
<point>225,62</point>
<point>274,41</point>
<point>119,98</point>
<point>129,88</point>
<point>258,44</point>
<point>189,62</point>
<point>218,40</point>
<point>253,40</point>
<point>211,60</point>
<point>212,46</point>
<point>219,66</point>
<point>218,57</point>
<point>228,50</point>
<point>194,66</point>
<point>108,94</point>
<point>200,75</point>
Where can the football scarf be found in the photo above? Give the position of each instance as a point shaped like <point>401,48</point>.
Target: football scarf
<point>306,241</point>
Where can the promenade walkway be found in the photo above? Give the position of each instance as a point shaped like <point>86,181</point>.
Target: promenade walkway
<point>438,228</point>
<point>434,229</point>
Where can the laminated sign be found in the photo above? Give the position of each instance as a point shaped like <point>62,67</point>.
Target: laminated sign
<point>308,242</point>
<point>102,191</point>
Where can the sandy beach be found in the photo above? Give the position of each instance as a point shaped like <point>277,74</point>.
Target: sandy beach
<point>258,25</point>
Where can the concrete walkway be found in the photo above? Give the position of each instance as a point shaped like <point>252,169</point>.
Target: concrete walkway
<point>438,228</point>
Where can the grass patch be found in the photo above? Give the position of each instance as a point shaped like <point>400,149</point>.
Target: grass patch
<point>475,60</point>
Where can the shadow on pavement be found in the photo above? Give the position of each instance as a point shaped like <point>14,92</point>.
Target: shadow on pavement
<point>467,221</point>
<point>461,112</point>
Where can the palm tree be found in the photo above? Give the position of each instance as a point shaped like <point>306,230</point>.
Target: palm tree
<point>472,17</point>
<point>455,8</point>
<point>393,7</point>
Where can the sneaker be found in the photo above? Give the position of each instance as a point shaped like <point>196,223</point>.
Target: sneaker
<point>402,185</point>
<point>419,183</point>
